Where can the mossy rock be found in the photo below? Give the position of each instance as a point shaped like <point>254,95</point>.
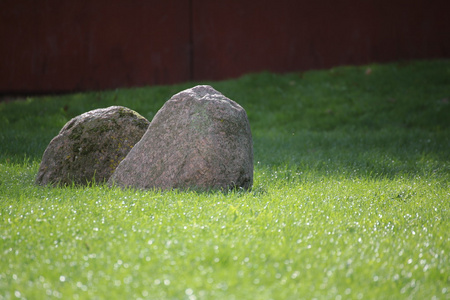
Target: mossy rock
<point>90,146</point>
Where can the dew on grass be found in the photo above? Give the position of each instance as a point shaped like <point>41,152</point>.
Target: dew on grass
<point>189,292</point>
<point>295,274</point>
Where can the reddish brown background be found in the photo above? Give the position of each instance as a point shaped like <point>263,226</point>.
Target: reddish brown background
<point>64,45</point>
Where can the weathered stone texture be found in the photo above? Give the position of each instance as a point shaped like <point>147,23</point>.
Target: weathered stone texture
<point>91,146</point>
<point>198,140</point>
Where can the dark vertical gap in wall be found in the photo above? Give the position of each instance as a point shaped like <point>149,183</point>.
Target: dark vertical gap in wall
<point>191,40</point>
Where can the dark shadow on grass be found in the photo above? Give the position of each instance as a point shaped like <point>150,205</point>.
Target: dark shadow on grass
<point>15,147</point>
<point>384,153</point>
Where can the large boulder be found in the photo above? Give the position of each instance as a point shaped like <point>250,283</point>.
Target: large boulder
<point>198,140</point>
<point>90,146</point>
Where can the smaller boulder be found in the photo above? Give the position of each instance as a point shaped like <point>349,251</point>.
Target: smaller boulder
<point>90,146</point>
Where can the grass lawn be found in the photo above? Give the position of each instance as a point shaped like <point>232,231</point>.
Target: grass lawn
<point>351,198</point>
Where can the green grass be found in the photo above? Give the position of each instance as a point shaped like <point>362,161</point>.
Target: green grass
<point>351,198</point>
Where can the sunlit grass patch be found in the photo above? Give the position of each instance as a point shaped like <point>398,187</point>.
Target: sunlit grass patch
<point>351,198</point>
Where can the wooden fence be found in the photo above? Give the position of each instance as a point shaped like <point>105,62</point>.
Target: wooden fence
<point>50,46</point>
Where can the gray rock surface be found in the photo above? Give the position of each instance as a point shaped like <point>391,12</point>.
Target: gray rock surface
<point>91,145</point>
<point>198,140</point>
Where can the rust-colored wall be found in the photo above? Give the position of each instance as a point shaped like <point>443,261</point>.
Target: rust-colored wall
<point>64,45</point>
<point>67,45</point>
<point>234,37</point>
